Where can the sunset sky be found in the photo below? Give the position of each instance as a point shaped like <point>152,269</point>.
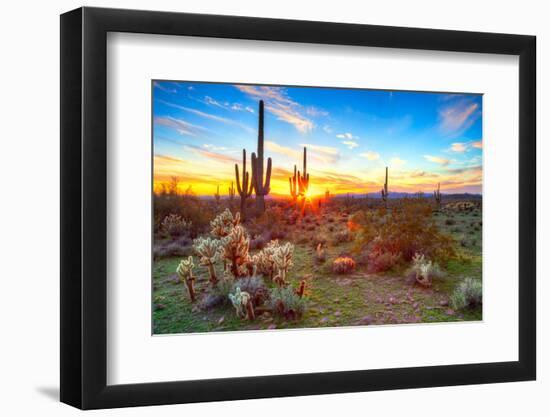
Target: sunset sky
<point>200,130</point>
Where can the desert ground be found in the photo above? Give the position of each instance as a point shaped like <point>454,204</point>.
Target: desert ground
<point>343,260</point>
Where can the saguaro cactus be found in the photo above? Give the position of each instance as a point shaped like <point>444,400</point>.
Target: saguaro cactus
<point>293,182</point>
<point>437,197</point>
<point>303,179</point>
<point>244,189</point>
<point>261,187</point>
<point>384,191</point>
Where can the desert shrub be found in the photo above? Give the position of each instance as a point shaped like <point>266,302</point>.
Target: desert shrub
<point>188,206</point>
<point>258,242</point>
<point>343,265</point>
<point>405,229</point>
<point>341,236</point>
<point>319,239</point>
<point>450,222</point>
<point>382,261</point>
<point>423,271</point>
<point>174,225</point>
<point>180,247</point>
<point>286,303</point>
<point>467,294</point>
<point>278,232</point>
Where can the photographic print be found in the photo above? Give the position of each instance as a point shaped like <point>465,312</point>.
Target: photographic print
<point>278,207</point>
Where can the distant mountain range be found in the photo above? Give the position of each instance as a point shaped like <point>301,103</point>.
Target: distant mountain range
<point>410,195</point>
<point>460,196</point>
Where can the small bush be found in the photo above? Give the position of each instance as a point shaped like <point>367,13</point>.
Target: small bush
<point>380,261</point>
<point>450,222</point>
<point>404,230</point>
<point>467,294</point>
<point>286,303</point>
<point>343,265</point>
<point>342,236</point>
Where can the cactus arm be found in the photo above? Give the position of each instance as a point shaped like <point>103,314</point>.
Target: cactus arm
<point>268,177</point>
<point>239,189</point>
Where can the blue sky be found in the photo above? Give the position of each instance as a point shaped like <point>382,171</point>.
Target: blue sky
<point>200,130</point>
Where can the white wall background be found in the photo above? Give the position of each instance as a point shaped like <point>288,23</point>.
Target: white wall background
<point>29,225</point>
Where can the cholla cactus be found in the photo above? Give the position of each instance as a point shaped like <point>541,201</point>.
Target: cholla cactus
<point>175,225</point>
<point>242,302</point>
<point>423,269</point>
<point>263,260</point>
<point>185,273</point>
<point>235,250</point>
<point>224,222</point>
<point>283,260</point>
<point>209,251</point>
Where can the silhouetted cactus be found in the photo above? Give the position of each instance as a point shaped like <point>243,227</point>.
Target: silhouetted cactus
<point>261,187</point>
<point>303,179</point>
<point>384,191</point>
<point>437,197</point>
<point>293,182</point>
<point>244,189</point>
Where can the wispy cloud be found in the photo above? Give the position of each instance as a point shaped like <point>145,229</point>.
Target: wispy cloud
<point>350,144</point>
<point>328,129</point>
<point>316,112</point>
<point>437,160</point>
<point>397,162</point>
<point>458,147</point>
<point>164,88</point>
<point>478,144</point>
<point>370,155</point>
<point>283,150</point>
<point>181,126</point>
<point>211,147</point>
<point>278,103</point>
<point>326,154</point>
<point>226,105</point>
<point>210,154</point>
<point>208,116</point>
<point>458,117</point>
<point>346,135</point>
<point>350,140</point>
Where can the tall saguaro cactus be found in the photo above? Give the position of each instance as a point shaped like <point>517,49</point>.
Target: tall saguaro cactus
<point>292,181</point>
<point>303,179</point>
<point>384,191</point>
<point>244,189</point>
<point>261,187</point>
<point>437,197</point>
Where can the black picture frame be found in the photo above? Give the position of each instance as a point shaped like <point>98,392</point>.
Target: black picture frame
<point>84,207</point>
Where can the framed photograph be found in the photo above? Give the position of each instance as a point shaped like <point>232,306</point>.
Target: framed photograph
<point>257,208</point>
